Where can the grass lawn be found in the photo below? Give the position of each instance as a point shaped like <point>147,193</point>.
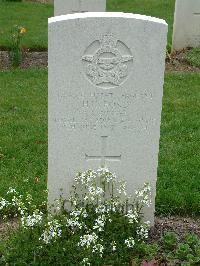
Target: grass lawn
<point>23,142</point>
<point>157,8</point>
<point>193,57</point>
<point>33,16</point>
<point>178,188</point>
<point>23,130</point>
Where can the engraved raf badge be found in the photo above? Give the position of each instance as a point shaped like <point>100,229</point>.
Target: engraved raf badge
<point>107,62</point>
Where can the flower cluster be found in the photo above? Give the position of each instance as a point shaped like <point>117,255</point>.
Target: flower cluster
<point>90,241</point>
<point>75,217</point>
<point>29,221</point>
<point>15,203</point>
<point>130,242</point>
<point>93,186</point>
<point>100,223</point>
<point>87,240</point>
<point>99,210</point>
<point>4,203</point>
<point>144,195</point>
<point>143,231</point>
<point>132,216</point>
<point>52,232</point>
<point>22,206</point>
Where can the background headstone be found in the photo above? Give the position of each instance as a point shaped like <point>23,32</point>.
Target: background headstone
<point>186,24</point>
<point>105,97</point>
<point>63,7</point>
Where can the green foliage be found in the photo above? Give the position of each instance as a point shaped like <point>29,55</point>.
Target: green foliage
<point>183,251</point>
<point>178,252</point>
<point>169,241</point>
<point>24,247</point>
<point>146,252</point>
<point>15,46</point>
<point>193,241</point>
<point>193,57</point>
<point>88,233</point>
<point>98,229</point>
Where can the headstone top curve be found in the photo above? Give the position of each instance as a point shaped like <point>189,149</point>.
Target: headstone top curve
<point>105,15</point>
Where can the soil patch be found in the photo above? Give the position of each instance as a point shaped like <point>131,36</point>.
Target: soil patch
<point>40,1</point>
<point>181,226</point>
<point>30,59</point>
<point>174,63</point>
<point>7,227</point>
<point>177,62</point>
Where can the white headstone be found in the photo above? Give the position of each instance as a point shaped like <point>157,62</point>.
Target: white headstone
<point>186,24</point>
<point>63,7</point>
<point>105,97</point>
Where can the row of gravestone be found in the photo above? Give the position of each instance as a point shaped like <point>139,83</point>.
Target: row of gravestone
<point>186,20</point>
<point>106,75</point>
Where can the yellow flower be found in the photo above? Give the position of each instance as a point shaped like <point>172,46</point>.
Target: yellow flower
<point>23,30</point>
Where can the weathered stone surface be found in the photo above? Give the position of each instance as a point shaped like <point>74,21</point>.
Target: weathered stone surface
<point>105,97</point>
<point>186,24</point>
<point>63,7</point>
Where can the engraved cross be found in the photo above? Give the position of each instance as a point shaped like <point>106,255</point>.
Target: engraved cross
<point>197,13</point>
<point>103,157</point>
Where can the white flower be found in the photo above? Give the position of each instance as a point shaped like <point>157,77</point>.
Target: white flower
<point>95,191</point>
<point>103,171</point>
<point>132,216</point>
<point>144,195</point>
<point>52,232</point>
<point>109,177</point>
<point>87,240</point>
<point>74,223</point>
<point>122,187</point>
<point>100,209</point>
<point>98,248</point>
<point>11,190</point>
<point>75,213</point>
<point>99,223</point>
<point>85,262</point>
<point>130,242</point>
<point>114,246</point>
<point>86,177</point>
<point>32,220</point>
<point>143,231</point>
<point>3,203</point>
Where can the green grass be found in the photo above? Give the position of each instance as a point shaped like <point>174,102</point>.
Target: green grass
<point>34,16</point>
<point>23,142</point>
<point>157,8</point>
<point>23,131</point>
<point>179,176</point>
<point>193,57</point>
